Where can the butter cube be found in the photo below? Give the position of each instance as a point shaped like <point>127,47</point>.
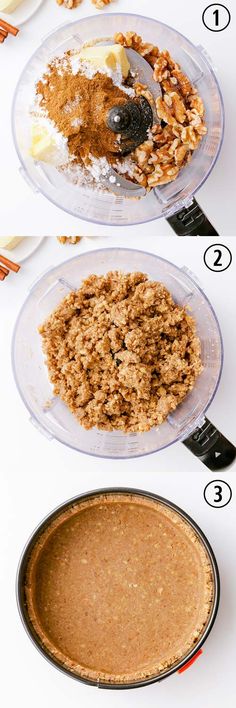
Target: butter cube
<point>107,57</point>
<point>121,58</point>
<point>42,143</point>
<point>100,57</point>
<point>10,242</point>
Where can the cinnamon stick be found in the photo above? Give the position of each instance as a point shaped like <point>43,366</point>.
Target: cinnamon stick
<point>9,28</point>
<point>3,36</point>
<point>9,264</point>
<point>2,275</point>
<point>4,270</point>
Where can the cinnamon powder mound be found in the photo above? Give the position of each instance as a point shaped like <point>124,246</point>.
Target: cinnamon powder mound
<point>79,106</point>
<point>120,352</point>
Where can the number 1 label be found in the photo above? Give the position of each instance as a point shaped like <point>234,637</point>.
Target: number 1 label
<point>216,17</point>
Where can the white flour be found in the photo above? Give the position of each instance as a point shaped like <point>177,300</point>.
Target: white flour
<point>76,122</point>
<point>126,166</point>
<point>98,166</point>
<point>71,105</point>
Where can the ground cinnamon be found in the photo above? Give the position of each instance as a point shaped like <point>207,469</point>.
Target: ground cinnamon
<point>79,106</point>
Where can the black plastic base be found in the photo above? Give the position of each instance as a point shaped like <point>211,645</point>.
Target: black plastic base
<point>191,221</point>
<point>212,448</point>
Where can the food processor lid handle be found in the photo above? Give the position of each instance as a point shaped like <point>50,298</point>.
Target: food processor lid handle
<point>212,448</point>
<point>191,221</point>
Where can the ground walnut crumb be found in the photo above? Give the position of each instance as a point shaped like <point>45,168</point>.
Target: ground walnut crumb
<point>120,352</point>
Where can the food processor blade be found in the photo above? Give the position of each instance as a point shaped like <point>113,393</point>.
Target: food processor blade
<point>144,72</point>
<point>121,186</point>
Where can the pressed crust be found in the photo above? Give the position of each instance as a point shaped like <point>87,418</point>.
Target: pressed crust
<point>118,588</point>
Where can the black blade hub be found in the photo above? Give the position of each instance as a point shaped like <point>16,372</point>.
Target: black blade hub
<point>132,121</point>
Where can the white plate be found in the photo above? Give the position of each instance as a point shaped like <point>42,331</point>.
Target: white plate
<point>24,250</point>
<point>22,13</point>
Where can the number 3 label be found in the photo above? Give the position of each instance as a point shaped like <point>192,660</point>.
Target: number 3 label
<point>216,17</point>
<point>217,493</point>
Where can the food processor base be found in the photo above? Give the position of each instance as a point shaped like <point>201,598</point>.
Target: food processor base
<point>191,221</point>
<point>212,448</point>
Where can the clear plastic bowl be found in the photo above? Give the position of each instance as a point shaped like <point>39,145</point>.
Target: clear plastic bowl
<point>51,415</point>
<point>106,208</point>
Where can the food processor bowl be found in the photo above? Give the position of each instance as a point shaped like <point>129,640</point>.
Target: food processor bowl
<point>104,207</point>
<point>51,415</point>
<point>21,582</point>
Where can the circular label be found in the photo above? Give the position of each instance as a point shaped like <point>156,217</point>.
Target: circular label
<point>216,17</point>
<point>217,493</point>
<point>217,257</point>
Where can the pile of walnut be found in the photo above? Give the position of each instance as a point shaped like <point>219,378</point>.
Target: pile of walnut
<point>99,4</point>
<point>120,352</point>
<point>69,239</point>
<point>181,110</point>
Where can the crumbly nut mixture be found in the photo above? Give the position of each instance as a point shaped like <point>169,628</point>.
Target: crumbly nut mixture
<point>120,352</point>
<point>180,110</point>
<point>69,239</point>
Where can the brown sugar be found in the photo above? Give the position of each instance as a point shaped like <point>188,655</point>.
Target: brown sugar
<point>120,352</point>
<point>79,106</point>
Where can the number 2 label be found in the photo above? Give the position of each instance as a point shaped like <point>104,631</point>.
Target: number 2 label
<point>217,262</point>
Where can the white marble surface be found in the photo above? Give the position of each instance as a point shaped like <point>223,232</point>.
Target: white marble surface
<point>36,475</point>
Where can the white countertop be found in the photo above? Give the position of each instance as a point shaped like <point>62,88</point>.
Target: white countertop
<point>24,212</point>
<point>37,475</point>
